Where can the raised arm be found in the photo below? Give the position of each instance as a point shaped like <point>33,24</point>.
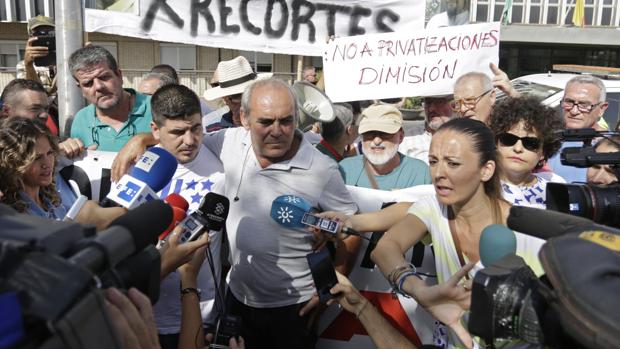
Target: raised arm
<point>130,153</point>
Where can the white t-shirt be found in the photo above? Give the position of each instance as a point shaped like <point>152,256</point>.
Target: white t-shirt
<point>531,196</point>
<point>416,146</point>
<point>192,181</point>
<point>269,266</point>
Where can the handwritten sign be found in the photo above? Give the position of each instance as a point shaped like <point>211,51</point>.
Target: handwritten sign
<point>413,63</point>
<point>277,26</point>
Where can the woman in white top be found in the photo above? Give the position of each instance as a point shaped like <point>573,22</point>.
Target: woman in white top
<point>525,133</point>
<point>463,165</point>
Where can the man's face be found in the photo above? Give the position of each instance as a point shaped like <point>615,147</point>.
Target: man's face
<point>234,104</point>
<point>28,104</point>
<point>101,85</point>
<point>149,86</point>
<point>438,111</point>
<point>581,105</point>
<point>603,174</point>
<point>41,30</point>
<point>380,147</point>
<point>271,123</point>
<point>473,101</point>
<point>181,137</point>
<point>310,76</point>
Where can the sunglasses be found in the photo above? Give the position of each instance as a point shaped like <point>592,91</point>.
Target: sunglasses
<point>529,143</point>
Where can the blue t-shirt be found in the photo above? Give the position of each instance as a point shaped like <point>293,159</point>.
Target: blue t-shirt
<point>569,173</point>
<point>67,198</point>
<point>410,172</point>
<point>90,130</point>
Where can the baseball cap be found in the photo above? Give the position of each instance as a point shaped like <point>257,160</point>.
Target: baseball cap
<point>40,21</point>
<point>382,118</point>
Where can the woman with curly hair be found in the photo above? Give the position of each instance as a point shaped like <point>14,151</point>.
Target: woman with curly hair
<point>525,137</point>
<point>27,167</point>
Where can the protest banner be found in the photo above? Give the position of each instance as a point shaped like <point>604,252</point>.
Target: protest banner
<point>298,27</point>
<point>413,63</point>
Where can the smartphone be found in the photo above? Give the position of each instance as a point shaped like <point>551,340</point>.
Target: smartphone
<point>228,326</point>
<point>323,273</point>
<point>48,41</point>
<point>326,225</point>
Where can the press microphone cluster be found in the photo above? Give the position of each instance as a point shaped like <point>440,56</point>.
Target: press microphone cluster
<point>152,172</point>
<point>210,215</point>
<point>179,212</point>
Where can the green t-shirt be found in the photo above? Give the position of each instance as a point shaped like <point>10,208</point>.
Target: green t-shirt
<point>410,172</point>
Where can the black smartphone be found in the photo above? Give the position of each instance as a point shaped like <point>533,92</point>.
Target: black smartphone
<point>323,273</point>
<point>227,327</point>
<point>48,41</point>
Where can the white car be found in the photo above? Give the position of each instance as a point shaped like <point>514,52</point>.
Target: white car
<point>549,88</point>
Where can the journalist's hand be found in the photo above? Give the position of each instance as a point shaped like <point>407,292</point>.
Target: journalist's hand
<point>132,319</point>
<point>173,254</point>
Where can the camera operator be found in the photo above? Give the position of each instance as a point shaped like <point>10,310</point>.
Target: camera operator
<point>38,26</point>
<point>604,174</point>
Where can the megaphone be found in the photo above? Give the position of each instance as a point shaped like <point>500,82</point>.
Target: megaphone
<point>313,104</point>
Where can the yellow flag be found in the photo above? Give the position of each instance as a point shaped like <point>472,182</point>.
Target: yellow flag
<point>578,13</point>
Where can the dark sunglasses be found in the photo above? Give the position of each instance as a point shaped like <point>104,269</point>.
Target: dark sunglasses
<point>529,143</point>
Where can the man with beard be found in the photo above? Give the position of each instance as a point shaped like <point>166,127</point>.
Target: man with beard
<point>437,111</point>
<point>382,166</point>
<point>115,114</point>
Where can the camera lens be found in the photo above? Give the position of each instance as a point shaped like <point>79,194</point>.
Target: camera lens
<point>598,203</point>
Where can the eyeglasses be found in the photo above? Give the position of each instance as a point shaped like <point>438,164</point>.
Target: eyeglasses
<point>584,107</point>
<point>469,102</point>
<point>508,139</point>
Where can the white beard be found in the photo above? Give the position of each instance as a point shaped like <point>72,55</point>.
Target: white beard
<point>379,159</point>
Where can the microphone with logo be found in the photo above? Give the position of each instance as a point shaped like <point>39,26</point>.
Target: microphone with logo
<point>295,212</point>
<point>152,172</point>
<point>210,215</point>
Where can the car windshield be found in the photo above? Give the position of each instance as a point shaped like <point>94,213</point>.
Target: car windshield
<point>531,89</point>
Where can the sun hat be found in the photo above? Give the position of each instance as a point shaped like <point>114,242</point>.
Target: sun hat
<point>382,118</point>
<point>233,77</point>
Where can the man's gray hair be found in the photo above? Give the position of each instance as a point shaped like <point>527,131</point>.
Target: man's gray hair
<point>246,97</point>
<point>88,56</point>
<point>164,80</point>
<point>592,80</point>
<point>484,80</point>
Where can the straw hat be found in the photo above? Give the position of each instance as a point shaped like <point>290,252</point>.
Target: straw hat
<point>234,76</point>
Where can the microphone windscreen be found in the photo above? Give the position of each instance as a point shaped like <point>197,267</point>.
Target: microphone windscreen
<point>288,210</point>
<point>496,241</point>
<point>176,200</point>
<point>146,222</point>
<point>214,208</point>
<point>155,168</point>
<point>177,216</point>
<point>544,224</point>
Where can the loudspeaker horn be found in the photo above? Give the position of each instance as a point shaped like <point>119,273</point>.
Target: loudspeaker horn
<point>313,104</point>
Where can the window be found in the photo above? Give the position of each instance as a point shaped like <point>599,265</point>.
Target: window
<point>22,10</point>
<point>11,52</point>
<point>260,61</point>
<point>181,57</point>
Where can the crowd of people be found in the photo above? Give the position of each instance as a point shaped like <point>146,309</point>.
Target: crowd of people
<point>481,154</point>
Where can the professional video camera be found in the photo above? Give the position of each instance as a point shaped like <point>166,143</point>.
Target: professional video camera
<point>596,202</point>
<point>574,305</point>
<point>52,275</point>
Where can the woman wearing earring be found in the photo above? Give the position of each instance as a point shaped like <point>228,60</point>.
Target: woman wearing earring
<point>27,160</point>
<point>525,133</point>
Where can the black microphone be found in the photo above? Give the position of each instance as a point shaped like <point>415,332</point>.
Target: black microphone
<point>210,215</point>
<point>126,235</point>
<point>545,224</point>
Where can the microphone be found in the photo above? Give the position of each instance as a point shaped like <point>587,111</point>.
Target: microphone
<point>294,212</point>
<point>179,207</point>
<point>496,241</point>
<point>151,173</point>
<point>210,215</point>
<point>127,234</point>
<point>529,220</point>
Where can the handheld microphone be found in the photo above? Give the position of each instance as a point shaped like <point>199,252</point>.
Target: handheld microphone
<point>179,208</point>
<point>210,215</point>
<point>496,241</point>
<point>152,172</point>
<point>176,200</point>
<point>294,212</point>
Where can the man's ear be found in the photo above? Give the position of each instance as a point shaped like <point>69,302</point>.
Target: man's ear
<point>155,130</point>
<point>244,119</point>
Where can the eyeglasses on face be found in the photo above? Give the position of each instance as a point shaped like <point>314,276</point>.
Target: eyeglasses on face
<point>469,102</point>
<point>508,139</point>
<point>584,107</point>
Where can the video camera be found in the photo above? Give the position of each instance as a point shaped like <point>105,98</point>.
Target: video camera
<point>574,305</point>
<point>596,202</point>
<point>52,275</point>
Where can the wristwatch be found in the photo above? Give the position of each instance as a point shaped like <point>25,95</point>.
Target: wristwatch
<point>188,290</point>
